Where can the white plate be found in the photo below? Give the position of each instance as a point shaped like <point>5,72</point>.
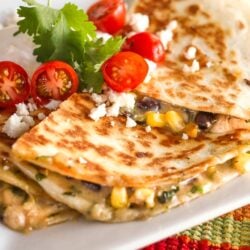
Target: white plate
<point>93,235</point>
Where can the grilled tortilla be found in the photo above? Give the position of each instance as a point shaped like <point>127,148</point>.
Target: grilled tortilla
<point>70,143</point>
<point>94,202</point>
<point>24,205</point>
<point>220,33</point>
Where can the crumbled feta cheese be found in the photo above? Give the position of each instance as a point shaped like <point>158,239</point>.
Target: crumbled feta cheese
<point>130,123</point>
<point>190,53</point>
<point>21,109</point>
<point>82,160</point>
<point>113,110</point>
<point>148,129</point>
<point>29,120</point>
<point>209,64</point>
<point>98,112</point>
<point>166,35</point>
<point>15,126</point>
<point>70,163</point>
<point>151,69</point>
<point>31,107</point>
<point>52,105</point>
<point>41,116</point>
<point>105,36</point>
<point>194,67</point>
<point>139,22</point>
<point>172,25</point>
<point>125,100</point>
<point>112,123</point>
<point>6,168</point>
<point>184,136</point>
<point>99,99</point>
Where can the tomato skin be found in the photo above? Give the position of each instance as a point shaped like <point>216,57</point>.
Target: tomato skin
<point>124,71</point>
<point>14,84</point>
<point>147,45</point>
<point>49,80</point>
<point>108,15</point>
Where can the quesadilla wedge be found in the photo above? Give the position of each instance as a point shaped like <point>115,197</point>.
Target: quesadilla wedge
<point>214,75</point>
<point>131,166</point>
<point>24,205</point>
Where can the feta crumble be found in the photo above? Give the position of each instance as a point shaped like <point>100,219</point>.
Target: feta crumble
<point>190,53</point>
<point>19,122</point>
<point>193,68</point>
<point>99,99</point>
<point>139,22</point>
<point>6,168</point>
<point>184,136</point>
<point>166,35</point>
<point>104,36</point>
<point>148,129</point>
<point>151,69</point>
<point>130,123</point>
<point>16,125</point>
<point>52,105</point>
<point>110,104</point>
<point>209,64</point>
<point>98,112</point>
<point>22,109</point>
<point>41,116</point>
<point>82,160</point>
<point>112,123</point>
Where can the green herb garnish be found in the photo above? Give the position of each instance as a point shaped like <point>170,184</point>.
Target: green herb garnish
<point>168,195</point>
<point>66,34</point>
<point>40,176</point>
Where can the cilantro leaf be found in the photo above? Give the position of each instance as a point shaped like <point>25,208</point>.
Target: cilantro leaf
<point>67,34</point>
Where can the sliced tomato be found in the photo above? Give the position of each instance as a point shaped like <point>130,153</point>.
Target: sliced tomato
<point>53,80</point>
<point>124,71</point>
<point>14,84</point>
<point>108,15</point>
<point>147,45</point>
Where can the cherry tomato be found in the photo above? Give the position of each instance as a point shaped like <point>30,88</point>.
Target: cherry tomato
<point>147,45</point>
<point>53,80</point>
<point>124,71</point>
<point>108,15</point>
<point>14,84</point>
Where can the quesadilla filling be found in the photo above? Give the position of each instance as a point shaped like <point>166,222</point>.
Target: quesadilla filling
<point>154,113</point>
<point>117,204</point>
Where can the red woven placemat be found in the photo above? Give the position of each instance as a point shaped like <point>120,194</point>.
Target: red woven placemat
<point>228,232</point>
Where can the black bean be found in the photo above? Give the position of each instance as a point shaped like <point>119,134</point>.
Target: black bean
<point>148,104</point>
<point>92,186</point>
<point>204,120</point>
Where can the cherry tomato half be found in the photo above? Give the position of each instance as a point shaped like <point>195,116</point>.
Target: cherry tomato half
<point>14,84</point>
<point>108,15</point>
<point>53,80</point>
<point>124,71</point>
<point>147,45</point>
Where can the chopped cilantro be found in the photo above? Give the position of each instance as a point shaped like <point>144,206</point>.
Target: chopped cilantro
<point>66,34</point>
<point>40,176</point>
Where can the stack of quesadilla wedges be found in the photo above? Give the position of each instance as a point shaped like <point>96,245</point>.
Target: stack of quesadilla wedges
<point>112,173</point>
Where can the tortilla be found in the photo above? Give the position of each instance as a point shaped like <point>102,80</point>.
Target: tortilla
<point>68,142</point>
<point>24,205</point>
<point>220,33</point>
<point>93,201</point>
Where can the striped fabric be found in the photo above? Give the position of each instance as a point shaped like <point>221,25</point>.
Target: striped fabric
<point>228,232</point>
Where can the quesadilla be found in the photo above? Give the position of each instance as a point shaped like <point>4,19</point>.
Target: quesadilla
<point>134,171</point>
<point>207,58</point>
<point>24,205</point>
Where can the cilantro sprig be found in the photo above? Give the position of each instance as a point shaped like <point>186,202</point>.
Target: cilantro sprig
<point>66,34</point>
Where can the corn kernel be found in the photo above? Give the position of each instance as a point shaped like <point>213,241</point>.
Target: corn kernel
<point>144,195</point>
<point>175,121</point>
<point>155,119</point>
<point>211,171</point>
<point>242,163</point>
<point>119,197</point>
<point>192,130</point>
